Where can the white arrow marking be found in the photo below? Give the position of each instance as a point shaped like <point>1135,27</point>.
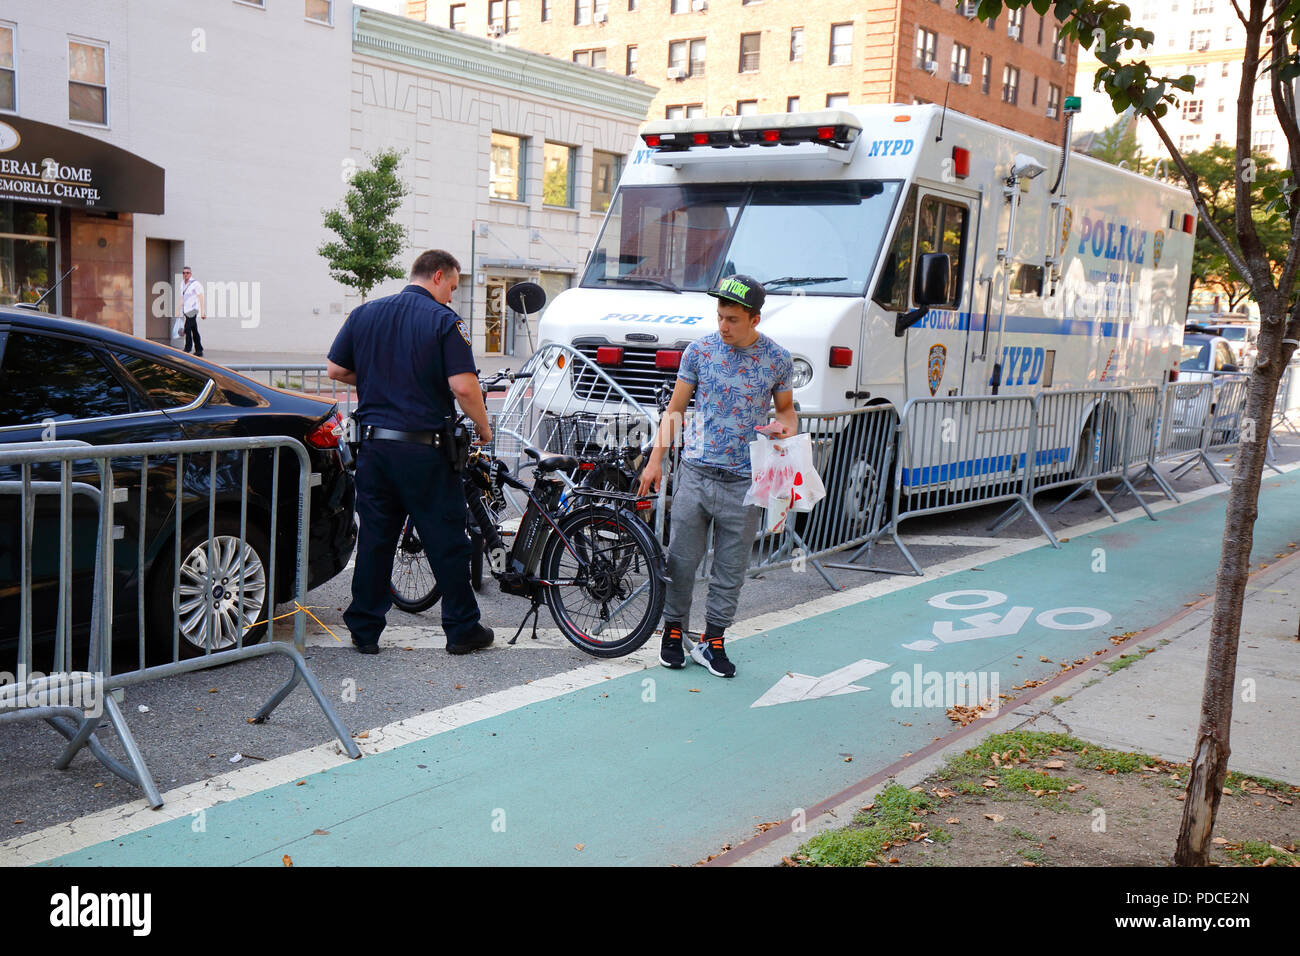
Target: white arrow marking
<point>794,687</point>
<point>984,625</point>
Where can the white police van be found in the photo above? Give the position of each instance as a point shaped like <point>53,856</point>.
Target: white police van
<point>907,252</point>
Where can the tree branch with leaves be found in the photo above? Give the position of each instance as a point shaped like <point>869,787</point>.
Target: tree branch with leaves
<point>370,239</point>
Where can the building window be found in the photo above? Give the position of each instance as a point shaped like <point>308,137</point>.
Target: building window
<point>1041,22</point>
<point>1202,6</point>
<point>746,107</point>
<point>1058,47</point>
<point>1033,97</point>
<point>1227,33</point>
<point>796,44</point>
<point>87,82</point>
<point>1264,105</point>
<point>458,16</point>
<point>503,15</point>
<point>960,63</point>
<point>1220,104</point>
<point>1016,24</point>
<point>792,104</point>
<point>1197,70</point>
<point>557,174</point>
<point>8,73</point>
<point>1053,101</point>
<point>986,74</point>
<point>841,43</point>
<point>1010,84</point>
<point>600,9</point>
<point>927,47</point>
<point>581,12</point>
<point>319,10</point>
<point>1262,140</point>
<point>836,101</point>
<point>593,58</point>
<point>546,10</point>
<point>631,6</point>
<point>1200,40</point>
<point>508,158</point>
<point>1224,71</point>
<point>1187,143</point>
<point>631,60</point>
<point>680,6</point>
<point>687,111</point>
<point>749,47</point>
<point>687,56</point>
<point>1192,110</point>
<point>605,170</point>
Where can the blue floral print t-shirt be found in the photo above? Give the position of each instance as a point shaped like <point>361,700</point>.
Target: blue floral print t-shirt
<point>733,392</point>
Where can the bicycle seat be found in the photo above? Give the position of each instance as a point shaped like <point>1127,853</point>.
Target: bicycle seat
<point>557,463</point>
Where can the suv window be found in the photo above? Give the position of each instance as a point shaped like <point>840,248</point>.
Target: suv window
<point>49,378</point>
<point>168,387</point>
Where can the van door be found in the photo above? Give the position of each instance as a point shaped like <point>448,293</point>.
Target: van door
<point>936,347</point>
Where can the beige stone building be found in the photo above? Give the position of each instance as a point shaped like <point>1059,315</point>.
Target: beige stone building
<point>720,57</point>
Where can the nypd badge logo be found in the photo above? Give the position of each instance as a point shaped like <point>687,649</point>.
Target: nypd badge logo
<point>1067,221</point>
<point>1158,246</point>
<point>464,332</point>
<point>934,372</point>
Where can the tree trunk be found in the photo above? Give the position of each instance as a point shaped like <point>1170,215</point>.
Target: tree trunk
<point>1210,754</point>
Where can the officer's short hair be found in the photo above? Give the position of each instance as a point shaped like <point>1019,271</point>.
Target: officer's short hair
<point>432,262</point>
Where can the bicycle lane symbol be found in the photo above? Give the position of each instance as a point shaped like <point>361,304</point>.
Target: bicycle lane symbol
<point>990,624</point>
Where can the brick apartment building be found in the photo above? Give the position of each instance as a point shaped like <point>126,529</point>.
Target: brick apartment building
<point>719,57</point>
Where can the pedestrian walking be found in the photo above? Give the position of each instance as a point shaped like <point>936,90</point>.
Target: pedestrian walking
<point>735,375</point>
<point>192,307</point>
<point>410,359</point>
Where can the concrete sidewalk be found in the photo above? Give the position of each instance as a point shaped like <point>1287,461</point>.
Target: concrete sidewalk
<point>1151,706</point>
<point>486,363</point>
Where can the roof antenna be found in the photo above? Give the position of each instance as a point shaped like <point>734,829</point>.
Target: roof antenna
<point>947,87</point>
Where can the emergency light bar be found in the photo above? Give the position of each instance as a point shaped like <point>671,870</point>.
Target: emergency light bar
<point>837,130</point>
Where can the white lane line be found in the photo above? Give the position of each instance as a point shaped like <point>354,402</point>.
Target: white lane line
<point>952,541</point>
<point>62,838</point>
<point>433,637</point>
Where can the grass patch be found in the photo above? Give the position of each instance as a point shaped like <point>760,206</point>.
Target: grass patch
<point>1032,854</point>
<point>1032,743</point>
<point>940,835</point>
<point>967,787</point>
<point>872,830</point>
<point>1026,835</point>
<point>1118,761</point>
<point>1237,780</point>
<point>1026,778</point>
<point>1255,852</point>
<point>1057,699</point>
<point>1127,660</point>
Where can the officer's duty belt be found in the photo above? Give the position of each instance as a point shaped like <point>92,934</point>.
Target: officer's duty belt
<point>392,434</point>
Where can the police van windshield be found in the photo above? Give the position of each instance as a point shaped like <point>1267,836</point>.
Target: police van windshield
<point>818,238</point>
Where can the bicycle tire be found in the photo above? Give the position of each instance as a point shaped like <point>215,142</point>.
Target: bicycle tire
<point>627,564</point>
<point>412,585</point>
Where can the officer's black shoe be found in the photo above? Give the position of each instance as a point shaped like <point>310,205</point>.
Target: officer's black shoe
<point>478,639</point>
<point>367,648</point>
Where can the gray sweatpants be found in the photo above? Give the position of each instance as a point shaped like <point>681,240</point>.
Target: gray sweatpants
<point>701,494</point>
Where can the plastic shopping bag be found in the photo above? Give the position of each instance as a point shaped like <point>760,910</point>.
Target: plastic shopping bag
<point>783,478</point>
<point>178,328</point>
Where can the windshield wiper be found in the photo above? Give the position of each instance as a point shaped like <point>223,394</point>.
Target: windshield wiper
<point>802,280</point>
<point>643,280</point>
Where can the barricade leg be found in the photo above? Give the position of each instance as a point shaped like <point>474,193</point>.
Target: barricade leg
<point>302,675</point>
<point>79,729</point>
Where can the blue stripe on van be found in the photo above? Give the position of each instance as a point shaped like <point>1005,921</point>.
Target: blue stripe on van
<point>938,474</point>
<point>1040,325</point>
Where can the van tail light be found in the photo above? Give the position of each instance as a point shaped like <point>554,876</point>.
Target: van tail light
<point>841,357</point>
<point>1173,374</point>
<point>609,355</point>
<point>327,433</point>
<point>668,358</point>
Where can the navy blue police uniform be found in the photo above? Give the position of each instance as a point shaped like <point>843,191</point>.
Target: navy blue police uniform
<point>402,348</point>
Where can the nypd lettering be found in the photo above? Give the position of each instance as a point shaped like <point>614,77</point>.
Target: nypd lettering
<point>891,147</point>
<point>1022,365</point>
<point>1112,240</point>
<point>663,319</point>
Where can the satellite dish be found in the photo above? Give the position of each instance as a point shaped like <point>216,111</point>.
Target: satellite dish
<point>526,297</point>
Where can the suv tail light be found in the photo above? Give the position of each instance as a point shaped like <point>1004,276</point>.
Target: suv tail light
<point>668,358</point>
<point>327,433</point>
<point>609,355</point>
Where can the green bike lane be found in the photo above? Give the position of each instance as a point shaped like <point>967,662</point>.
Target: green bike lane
<point>662,767</point>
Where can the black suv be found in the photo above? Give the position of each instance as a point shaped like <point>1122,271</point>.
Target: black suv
<point>66,379</point>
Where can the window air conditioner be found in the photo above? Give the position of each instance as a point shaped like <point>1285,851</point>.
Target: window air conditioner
<point>495,30</point>
<point>600,17</point>
<point>1059,56</point>
<point>699,5</point>
<point>676,73</point>
<point>969,10</point>
<point>1051,112</point>
<point>1013,31</point>
<point>930,66</point>
<point>963,79</point>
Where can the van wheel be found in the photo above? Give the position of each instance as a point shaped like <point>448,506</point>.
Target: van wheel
<point>221,591</point>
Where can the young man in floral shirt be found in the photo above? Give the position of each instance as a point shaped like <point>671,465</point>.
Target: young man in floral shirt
<point>733,373</point>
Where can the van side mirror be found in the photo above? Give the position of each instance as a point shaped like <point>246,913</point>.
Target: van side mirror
<point>932,280</point>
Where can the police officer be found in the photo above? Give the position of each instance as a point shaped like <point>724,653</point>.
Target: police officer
<point>408,355</point>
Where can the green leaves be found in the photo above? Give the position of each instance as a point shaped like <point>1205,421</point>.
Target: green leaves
<point>369,239</point>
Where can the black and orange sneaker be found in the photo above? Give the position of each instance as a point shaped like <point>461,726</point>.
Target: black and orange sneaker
<point>670,648</point>
<point>711,654</point>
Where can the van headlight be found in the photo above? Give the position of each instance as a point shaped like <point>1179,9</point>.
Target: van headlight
<point>803,373</point>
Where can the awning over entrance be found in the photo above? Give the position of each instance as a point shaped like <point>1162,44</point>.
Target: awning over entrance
<point>40,163</point>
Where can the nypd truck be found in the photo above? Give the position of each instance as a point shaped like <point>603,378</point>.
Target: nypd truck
<point>907,252</point>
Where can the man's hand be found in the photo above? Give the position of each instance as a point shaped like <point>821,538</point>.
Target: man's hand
<point>483,435</point>
<point>774,430</point>
<point>651,475</point>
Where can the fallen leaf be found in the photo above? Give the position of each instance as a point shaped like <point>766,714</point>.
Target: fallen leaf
<point>301,783</point>
<point>212,690</point>
<point>990,784</point>
<point>1075,788</point>
<point>764,827</point>
<point>363,735</point>
<point>287,860</point>
<point>1181,796</point>
<point>1269,862</point>
<point>250,720</point>
<point>1227,792</point>
<point>1046,660</point>
<point>952,820</point>
<point>98,785</point>
<point>1219,841</point>
<point>579,846</point>
<point>995,817</point>
<point>320,833</point>
<point>457,686</point>
<point>893,859</point>
<point>944,794</point>
<point>848,760</point>
<point>914,825</point>
<point>1054,765</point>
<point>694,690</point>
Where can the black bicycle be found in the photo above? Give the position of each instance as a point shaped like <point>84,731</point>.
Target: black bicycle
<point>583,550</point>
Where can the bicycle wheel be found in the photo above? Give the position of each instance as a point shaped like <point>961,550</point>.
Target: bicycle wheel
<point>618,589</point>
<point>412,584</point>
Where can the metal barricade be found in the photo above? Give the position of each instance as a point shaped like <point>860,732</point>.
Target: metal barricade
<point>956,453</point>
<point>1146,426</point>
<point>199,525</point>
<point>310,380</point>
<point>853,454</point>
<point>1286,408</point>
<point>1188,417</point>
